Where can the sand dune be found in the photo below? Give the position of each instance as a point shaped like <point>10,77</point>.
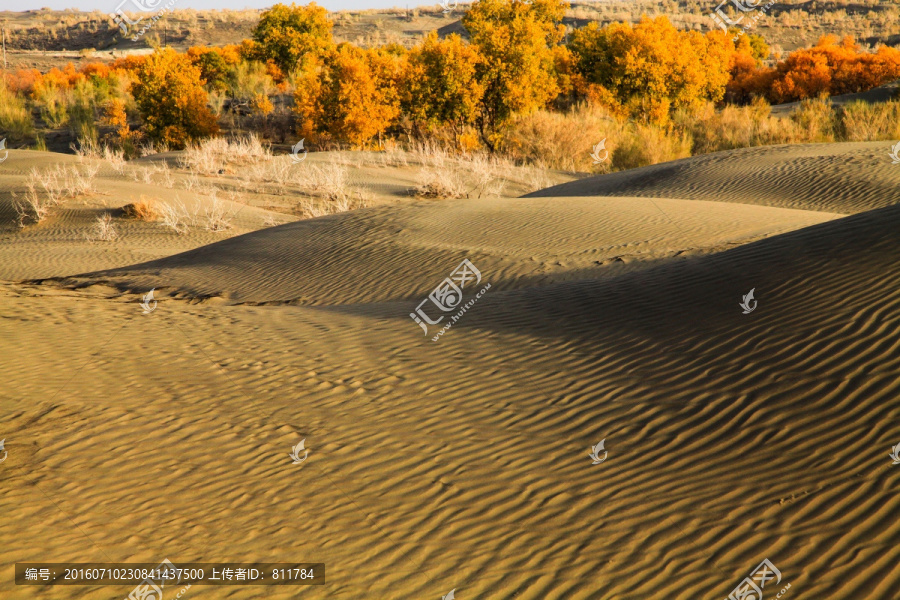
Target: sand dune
<point>58,246</point>
<point>463,463</point>
<point>389,253</point>
<point>841,178</point>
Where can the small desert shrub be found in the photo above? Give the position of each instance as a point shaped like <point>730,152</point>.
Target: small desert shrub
<point>536,179</point>
<point>735,127</point>
<point>329,181</point>
<point>15,119</point>
<point>175,216</point>
<point>561,140</point>
<point>815,120</point>
<point>104,230</point>
<point>648,145</point>
<point>143,209</point>
<point>439,183</point>
<point>33,207</point>
<point>216,217</point>
<point>54,105</point>
<point>861,121</point>
<point>468,176</point>
<point>115,158</point>
<point>212,156</point>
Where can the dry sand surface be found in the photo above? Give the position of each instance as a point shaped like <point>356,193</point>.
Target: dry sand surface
<point>463,464</point>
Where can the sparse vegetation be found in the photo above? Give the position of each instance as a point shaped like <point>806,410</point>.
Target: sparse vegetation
<point>144,209</point>
<point>104,230</point>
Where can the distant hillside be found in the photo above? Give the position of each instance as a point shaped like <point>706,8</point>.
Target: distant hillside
<point>786,26</point>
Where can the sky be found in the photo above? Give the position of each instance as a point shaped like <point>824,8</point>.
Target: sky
<point>110,5</point>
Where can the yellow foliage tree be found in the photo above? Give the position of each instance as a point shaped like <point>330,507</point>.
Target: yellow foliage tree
<point>287,35</point>
<point>351,95</point>
<point>170,95</point>
<point>516,41</point>
<point>440,85</point>
<point>652,67</point>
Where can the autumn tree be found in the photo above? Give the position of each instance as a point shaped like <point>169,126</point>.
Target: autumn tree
<point>651,68</point>
<point>214,64</point>
<point>440,84</point>
<point>830,67</point>
<point>350,95</point>
<point>170,95</point>
<point>517,69</point>
<point>288,35</point>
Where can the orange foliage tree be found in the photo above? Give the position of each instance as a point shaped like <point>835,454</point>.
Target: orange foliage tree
<point>350,95</point>
<point>288,35</point>
<point>440,85</point>
<point>516,40</point>
<point>170,95</point>
<point>829,67</point>
<point>746,65</point>
<point>652,67</point>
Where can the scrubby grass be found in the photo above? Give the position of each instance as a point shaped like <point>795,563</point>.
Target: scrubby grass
<point>564,140</point>
<point>15,118</point>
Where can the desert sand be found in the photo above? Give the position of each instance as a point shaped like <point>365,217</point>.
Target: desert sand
<point>613,314</point>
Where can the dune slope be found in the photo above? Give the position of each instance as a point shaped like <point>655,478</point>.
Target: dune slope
<point>463,463</point>
<point>842,178</point>
<point>401,252</point>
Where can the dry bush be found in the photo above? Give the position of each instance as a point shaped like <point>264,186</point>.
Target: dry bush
<point>392,156</point>
<point>32,207</point>
<point>112,156</point>
<point>318,207</point>
<point>46,188</point>
<point>144,209</point>
<point>216,217</point>
<point>175,216</point>
<point>815,120</point>
<point>142,174</point>
<point>213,156</point>
<point>439,183</point>
<point>15,118</point>
<point>49,180</point>
<point>80,182</point>
<point>562,141</point>
<point>104,230</point>
<point>735,127</point>
<point>860,121</point>
<point>648,145</point>
<point>329,181</point>
<point>467,176</point>
<point>536,179</point>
